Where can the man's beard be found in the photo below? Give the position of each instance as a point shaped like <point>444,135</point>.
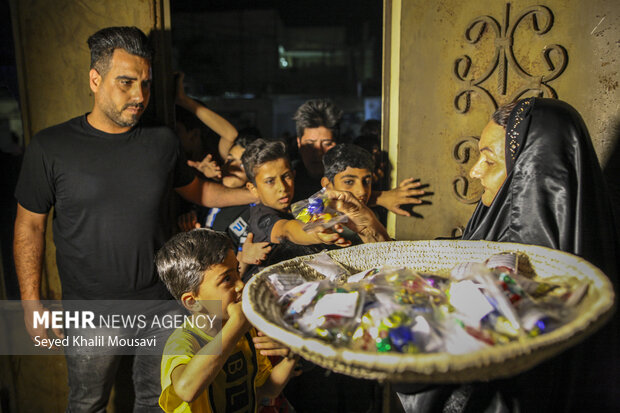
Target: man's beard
<point>117,116</point>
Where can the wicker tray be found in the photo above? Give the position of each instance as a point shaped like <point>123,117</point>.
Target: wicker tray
<point>260,307</point>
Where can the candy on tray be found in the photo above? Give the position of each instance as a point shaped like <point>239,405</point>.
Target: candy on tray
<point>327,266</point>
<point>316,213</point>
<point>396,309</point>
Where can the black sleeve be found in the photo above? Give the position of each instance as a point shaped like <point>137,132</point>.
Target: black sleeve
<point>262,220</point>
<point>35,189</point>
<point>183,173</point>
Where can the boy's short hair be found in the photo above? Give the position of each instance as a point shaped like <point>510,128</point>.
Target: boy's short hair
<point>345,155</point>
<point>260,152</point>
<point>183,260</point>
<point>316,113</point>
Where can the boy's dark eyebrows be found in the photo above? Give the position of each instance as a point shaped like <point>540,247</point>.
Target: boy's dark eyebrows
<point>355,176</point>
<point>125,77</point>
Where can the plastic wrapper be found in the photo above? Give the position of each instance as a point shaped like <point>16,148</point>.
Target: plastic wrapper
<point>332,314</point>
<point>332,270</point>
<point>395,309</point>
<point>316,213</point>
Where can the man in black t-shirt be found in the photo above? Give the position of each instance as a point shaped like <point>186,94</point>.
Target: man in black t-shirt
<point>108,179</point>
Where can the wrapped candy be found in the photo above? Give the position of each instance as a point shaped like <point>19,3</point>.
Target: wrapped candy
<point>396,309</point>
<point>316,213</point>
<point>331,314</point>
<point>325,265</point>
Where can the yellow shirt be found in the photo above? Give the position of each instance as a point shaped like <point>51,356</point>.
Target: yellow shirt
<point>234,388</point>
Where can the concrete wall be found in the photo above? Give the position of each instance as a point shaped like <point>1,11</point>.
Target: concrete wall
<point>423,43</point>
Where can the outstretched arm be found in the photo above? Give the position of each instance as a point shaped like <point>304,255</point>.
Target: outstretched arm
<point>406,193</point>
<point>212,194</point>
<point>292,230</point>
<point>215,122</point>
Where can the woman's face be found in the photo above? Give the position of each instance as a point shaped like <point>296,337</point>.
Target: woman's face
<point>491,166</point>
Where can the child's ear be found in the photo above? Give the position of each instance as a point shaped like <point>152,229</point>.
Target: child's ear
<point>252,188</point>
<point>189,302</point>
<point>325,183</point>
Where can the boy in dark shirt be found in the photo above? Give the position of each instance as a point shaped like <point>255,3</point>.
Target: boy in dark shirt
<point>271,179</point>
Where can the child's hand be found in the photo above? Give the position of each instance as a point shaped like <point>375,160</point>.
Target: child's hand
<point>236,315</point>
<point>188,221</point>
<point>329,236</point>
<point>253,252</point>
<point>208,166</point>
<point>406,193</point>
<point>269,347</point>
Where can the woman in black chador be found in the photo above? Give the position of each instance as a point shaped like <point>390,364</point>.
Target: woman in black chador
<point>542,185</point>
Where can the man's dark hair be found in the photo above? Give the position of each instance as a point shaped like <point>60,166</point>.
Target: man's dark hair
<point>260,152</point>
<point>183,260</point>
<point>103,43</point>
<point>318,112</point>
<point>346,155</point>
<point>501,115</point>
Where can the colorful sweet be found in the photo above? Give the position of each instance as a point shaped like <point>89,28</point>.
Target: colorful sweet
<point>394,309</point>
<point>316,213</point>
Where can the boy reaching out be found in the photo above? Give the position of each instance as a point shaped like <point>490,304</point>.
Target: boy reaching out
<point>349,168</point>
<point>198,266</point>
<point>272,181</point>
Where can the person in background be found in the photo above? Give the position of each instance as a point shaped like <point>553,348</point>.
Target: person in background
<point>234,220</point>
<point>108,178</point>
<point>191,115</point>
<point>318,126</point>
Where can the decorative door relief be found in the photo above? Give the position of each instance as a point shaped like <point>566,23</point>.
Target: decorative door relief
<point>504,63</point>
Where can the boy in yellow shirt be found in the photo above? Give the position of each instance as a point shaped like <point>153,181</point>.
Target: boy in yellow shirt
<point>204,370</point>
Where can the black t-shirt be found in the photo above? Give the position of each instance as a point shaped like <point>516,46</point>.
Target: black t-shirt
<point>109,193</point>
<point>262,220</point>
<point>234,220</point>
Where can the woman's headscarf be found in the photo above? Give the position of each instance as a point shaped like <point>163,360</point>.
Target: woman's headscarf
<point>554,194</point>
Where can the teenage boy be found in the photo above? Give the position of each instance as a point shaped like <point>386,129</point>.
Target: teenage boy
<point>317,123</point>
<point>198,266</point>
<point>233,219</point>
<point>271,180</point>
<point>349,168</point>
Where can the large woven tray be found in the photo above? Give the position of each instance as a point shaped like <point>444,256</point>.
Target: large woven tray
<point>262,310</point>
